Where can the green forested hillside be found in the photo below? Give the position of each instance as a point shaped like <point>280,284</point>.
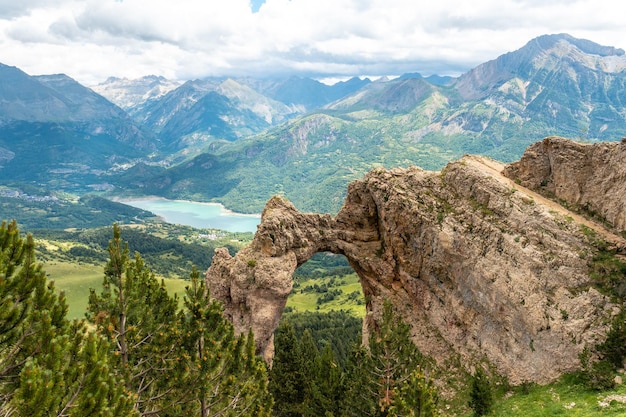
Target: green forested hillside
<point>57,211</point>
<point>139,352</point>
<point>74,259</point>
<point>554,85</point>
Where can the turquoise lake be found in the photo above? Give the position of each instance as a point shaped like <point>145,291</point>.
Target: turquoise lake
<point>198,215</point>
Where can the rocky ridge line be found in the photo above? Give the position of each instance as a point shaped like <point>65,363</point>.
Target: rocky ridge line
<point>481,267</point>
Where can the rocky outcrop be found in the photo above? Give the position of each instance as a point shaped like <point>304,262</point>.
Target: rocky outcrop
<point>592,177</point>
<point>482,268</point>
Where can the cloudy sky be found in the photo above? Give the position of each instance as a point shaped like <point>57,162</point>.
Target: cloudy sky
<point>90,40</point>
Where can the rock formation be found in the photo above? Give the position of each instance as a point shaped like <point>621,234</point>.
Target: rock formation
<point>481,267</point>
<point>591,177</point>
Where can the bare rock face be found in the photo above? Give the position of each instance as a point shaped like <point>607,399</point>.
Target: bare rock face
<point>590,176</point>
<point>482,268</point>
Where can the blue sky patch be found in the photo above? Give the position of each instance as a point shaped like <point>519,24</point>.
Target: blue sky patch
<point>256,5</point>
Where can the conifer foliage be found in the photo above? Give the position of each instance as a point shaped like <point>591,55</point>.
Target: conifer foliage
<point>386,378</point>
<point>175,362</point>
<point>137,354</point>
<point>222,372</point>
<point>391,374</point>
<point>137,315</point>
<point>481,396</point>
<point>48,365</point>
<point>288,375</point>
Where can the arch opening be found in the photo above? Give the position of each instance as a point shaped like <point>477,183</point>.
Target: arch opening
<point>324,283</point>
<point>327,302</point>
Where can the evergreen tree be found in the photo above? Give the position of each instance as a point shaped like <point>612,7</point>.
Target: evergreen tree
<point>394,356</point>
<point>417,397</point>
<point>481,396</point>
<point>222,372</point>
<point>380,373</point>
<point>29,308</point>
<point>287,375</point>
<point>361,395</point>
<point>309,352</point>
<point>326,389</point>
<point>340,329</point>
<point>136,314</point>
<point>72,377</point>
<point>48,366</point>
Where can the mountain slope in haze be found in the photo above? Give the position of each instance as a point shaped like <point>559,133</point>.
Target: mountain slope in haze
<point>131,94</point>
<point>554,85</point>
<point>59,133</point>
<point>198,112</point>
<point>304,93</point>
<point>201,111</point>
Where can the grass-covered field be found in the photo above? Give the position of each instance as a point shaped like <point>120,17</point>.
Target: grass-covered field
<point>567,397</point>
<point>75,280</point>
<point>334,293</point>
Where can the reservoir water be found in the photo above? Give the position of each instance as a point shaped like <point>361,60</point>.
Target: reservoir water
<point>198,215</point>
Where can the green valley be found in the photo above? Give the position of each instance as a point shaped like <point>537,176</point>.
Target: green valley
<point>457,259</point>
<point>497,109</point>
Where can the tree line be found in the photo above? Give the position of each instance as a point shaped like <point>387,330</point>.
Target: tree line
<point>138,353</point>
<point>388,377</point>
<point>142,352</point>
<point>135,354</point>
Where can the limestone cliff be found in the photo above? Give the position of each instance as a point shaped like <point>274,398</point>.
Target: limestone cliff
<point>589,176</point>
<point>481,267</point>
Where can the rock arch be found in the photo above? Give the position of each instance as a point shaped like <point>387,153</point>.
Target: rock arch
<point>254,285</point>
<point>478,270</point>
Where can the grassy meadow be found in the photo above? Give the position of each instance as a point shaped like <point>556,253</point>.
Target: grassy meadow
<point>312,294</point>
<point>566,397</point>
<point>76,279</point>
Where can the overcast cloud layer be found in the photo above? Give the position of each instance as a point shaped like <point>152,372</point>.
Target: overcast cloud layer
<point>90,40</point>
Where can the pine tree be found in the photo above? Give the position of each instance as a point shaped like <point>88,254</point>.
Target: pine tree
<point>361,395</point>
<point>72,377</point>
<point>309,352</point>
<point>481,396</point>
<point>380,373</point>
<point>222,372</point>
<point>251,386</point>
<point>48,366</point>
<point>394,356</point>
<point>416,397</point>
<point>287,376</point>
<point>326,388</point>
<point>25,299</point>
<point>137,315</point>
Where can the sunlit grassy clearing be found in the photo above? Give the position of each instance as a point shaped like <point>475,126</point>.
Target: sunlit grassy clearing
<point>77,279</point>
<point>307,301</point>
<point>565,397</point>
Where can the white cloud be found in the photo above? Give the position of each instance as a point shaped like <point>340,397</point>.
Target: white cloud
<point>10,9</point>
<point>93,39</point>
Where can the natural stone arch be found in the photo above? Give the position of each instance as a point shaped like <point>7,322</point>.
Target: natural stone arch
<point>255,284</point>
<point>476,269</point>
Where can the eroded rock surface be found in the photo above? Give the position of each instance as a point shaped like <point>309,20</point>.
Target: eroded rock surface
<point>482,268</point>
<point>590,176</point>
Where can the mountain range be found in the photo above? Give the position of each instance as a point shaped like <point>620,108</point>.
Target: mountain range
<point>241,140</point>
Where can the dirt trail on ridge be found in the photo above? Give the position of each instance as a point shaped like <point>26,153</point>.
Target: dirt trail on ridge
<point>495,168</point>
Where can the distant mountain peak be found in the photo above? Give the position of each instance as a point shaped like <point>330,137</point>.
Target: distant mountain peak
<point>547,42</point>
<point>544,53</point>
<point>128,93</point>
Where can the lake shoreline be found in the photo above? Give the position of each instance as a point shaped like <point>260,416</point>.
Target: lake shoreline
<point>224,210</point>
<point>202,215</point>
